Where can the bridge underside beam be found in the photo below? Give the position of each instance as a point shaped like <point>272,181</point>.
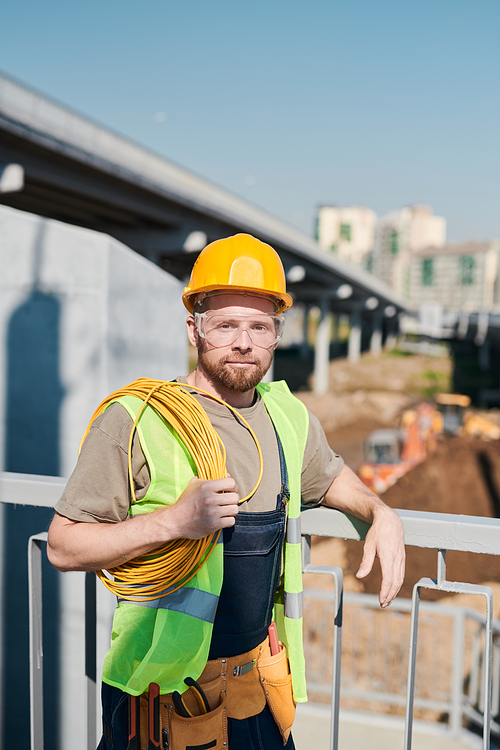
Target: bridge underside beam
<point>77,172</point>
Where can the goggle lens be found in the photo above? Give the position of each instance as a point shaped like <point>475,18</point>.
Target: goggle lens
<point>222,330</point>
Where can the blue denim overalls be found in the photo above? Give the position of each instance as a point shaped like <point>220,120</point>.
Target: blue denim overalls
<point>252,567</point>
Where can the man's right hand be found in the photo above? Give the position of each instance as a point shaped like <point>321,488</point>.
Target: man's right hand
<point>205,506</point>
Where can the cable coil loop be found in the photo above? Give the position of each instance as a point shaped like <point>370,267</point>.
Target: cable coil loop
<point>172,565</point>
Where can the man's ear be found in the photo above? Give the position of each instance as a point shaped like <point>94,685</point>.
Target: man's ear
<point>192,331</point>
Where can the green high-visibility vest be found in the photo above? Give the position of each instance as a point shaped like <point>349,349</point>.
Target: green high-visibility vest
<point>168,639</point>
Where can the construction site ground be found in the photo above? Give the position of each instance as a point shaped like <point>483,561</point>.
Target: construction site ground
<point>311,729</point>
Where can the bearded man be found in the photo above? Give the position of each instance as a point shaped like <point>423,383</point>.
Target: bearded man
<point>204,658</point>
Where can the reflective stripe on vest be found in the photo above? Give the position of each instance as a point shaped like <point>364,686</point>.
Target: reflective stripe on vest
<point>291,419</point>
<point>293,531</point>
<point>189,601</point>
<point>293,605</point>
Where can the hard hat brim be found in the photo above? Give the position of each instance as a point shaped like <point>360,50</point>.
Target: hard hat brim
<point>283,300</point>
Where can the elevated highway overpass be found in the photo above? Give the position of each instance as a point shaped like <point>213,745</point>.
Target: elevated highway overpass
<point>59,164</point>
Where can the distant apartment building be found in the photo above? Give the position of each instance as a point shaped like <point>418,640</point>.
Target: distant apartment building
<point>347,231</point>
<point>399,235</point>
<point>460,277</point>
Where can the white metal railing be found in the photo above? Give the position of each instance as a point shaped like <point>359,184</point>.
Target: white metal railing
<point>430,530</point>
<point>438,531</point>
<point>449,684</point>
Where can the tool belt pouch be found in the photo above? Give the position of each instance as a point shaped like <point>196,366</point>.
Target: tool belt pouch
<point>276,681</point>
<point>202,730</point>
<point>207,730</point>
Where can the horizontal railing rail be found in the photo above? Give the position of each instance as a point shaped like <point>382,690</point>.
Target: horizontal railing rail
<point>422,529</point>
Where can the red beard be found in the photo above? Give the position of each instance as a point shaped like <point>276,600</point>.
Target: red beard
<point>236,379</point>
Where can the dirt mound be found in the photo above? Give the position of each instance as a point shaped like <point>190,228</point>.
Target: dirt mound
<point>462,477</point>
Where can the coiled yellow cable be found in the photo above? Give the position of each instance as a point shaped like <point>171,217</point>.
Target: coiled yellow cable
<point>171,566</point>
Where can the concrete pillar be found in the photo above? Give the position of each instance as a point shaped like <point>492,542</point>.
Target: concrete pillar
<point>390,341</point>
<point>304,346</point>
<point>69,335</point>
<point>376,337</point>
<point>322,349</point>
<point>392,328</point>
<point>354,345</point>
<point>482,328</point>
<point>335,327</point>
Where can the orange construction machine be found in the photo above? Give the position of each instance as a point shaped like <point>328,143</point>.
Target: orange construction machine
<point>391,453</point>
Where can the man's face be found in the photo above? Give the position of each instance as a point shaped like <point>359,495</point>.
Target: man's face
<point>241,364</point>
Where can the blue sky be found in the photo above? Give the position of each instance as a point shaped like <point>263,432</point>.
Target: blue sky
<point>288,104</point>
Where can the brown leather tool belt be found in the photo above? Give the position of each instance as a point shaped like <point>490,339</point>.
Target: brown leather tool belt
<point>237,687</point>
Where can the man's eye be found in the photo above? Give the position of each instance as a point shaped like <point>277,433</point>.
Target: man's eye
<point>261,328</point>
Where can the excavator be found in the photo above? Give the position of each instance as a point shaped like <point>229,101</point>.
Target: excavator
<point>454,419</point>
<point>389,454</point>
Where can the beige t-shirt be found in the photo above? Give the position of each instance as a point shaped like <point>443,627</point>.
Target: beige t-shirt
<point>98,490</point>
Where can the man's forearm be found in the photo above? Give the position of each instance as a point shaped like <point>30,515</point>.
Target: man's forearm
<point>385,538</point>
<point>348,494</point>
<point>75,545</point>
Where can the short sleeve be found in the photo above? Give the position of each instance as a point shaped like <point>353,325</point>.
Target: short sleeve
<point>320,466</point>
<point>98,489</point>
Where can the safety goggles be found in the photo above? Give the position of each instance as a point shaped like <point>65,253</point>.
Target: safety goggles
<point>264,330</point>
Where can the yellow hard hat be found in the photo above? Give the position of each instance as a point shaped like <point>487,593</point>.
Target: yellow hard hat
<point>239,263</point>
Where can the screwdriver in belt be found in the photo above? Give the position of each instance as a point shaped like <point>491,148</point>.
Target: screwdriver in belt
<point>273,639</point>
<point>154,716</point>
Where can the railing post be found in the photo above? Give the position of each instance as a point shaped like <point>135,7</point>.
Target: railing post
<point>36,646</point>
<point>36,639</point>
<point>455,587</point>
<point>338,577</point>
<point>495,689</point>
<point>457,691</point>
<point>91,656</point>
<point>412,660</point>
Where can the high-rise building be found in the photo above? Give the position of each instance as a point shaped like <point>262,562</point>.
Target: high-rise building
<point>460,277</point>
<point>398,235</point>
<point>347,231</point>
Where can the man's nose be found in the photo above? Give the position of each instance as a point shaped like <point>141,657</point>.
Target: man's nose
<point>243,340</point>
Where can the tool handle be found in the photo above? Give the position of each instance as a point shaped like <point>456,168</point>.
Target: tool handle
<point>154,716</point>
<point>273,639</point>
<point>179,705</point>
<point>134,723</point>
<point>200,696</point>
